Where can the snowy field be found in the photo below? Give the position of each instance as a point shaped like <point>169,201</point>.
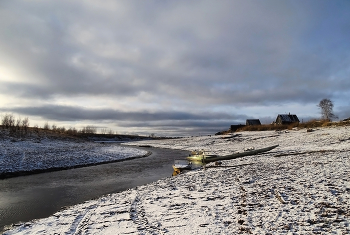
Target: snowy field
<point>301,187</point>
<point>30,155</point>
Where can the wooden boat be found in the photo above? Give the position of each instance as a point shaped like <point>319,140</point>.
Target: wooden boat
<point>198,156</point>
<point>204,158</point>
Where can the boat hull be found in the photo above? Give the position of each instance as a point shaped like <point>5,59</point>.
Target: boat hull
<point>213,158</point>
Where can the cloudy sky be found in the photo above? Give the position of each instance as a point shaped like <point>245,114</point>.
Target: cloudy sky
<point>172,68</point>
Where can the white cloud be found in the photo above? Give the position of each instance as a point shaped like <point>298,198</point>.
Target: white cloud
<point>174,55</point>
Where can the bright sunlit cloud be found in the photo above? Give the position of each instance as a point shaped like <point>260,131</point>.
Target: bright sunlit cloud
<point>172,67</point>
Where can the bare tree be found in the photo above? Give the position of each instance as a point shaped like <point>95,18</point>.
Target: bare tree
<point>46,126</point>
<point>326,106</point>
<point>72,131</point>
<point>18,123</point>
<point>8,121</point>
<point>91,129</point>
<point>88,130</point>
<point>61,129</point>
<point>25,124</point>
<point>17,129</point>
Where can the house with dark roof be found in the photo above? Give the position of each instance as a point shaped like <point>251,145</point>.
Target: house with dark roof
<point>253,122</point>
<point>285,119</point>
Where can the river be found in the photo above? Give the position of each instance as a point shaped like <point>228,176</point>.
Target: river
<point>36,196</point>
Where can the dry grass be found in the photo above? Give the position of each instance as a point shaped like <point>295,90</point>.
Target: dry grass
<point>308,125</point>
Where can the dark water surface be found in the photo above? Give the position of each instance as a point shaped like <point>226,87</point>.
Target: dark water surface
<point>31,197</point>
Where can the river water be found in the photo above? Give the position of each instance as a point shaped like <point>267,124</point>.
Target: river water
<point>37,196</point>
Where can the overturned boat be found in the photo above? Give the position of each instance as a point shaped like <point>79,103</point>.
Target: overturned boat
<point>200,156</point>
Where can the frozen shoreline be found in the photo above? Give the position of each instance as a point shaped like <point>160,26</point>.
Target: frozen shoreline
<point>301,187</point>
<point>29,156</point>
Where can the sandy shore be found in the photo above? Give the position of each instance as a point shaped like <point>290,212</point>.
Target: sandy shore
<point>301,187</point>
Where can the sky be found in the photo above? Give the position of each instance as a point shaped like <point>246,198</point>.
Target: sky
<point>172,68</point>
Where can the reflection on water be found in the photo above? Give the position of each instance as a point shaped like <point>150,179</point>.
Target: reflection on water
<point>36,196</point>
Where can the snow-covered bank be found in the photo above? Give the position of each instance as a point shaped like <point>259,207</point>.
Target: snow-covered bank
<point>302,187</point>
<point>30,155</point>
<point>336,138</point>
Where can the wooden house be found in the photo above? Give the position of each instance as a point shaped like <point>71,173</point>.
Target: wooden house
<point>253,122</point>
<point>285,119</point>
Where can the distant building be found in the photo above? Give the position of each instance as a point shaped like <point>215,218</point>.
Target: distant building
<point>253,122</point>
<point>285,119</point>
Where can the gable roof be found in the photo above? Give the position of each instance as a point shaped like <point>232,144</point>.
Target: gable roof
<point>288,117</point>
<point>252,122</point>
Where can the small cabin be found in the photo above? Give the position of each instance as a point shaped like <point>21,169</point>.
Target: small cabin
<point>285,119</point>
<point>253,122</point>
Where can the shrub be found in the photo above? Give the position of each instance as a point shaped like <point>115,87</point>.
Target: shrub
<point>88,130</point>
<point>8,121</point>
<point>71,131</point>
<point>46,126</point>
<point>309,124</point>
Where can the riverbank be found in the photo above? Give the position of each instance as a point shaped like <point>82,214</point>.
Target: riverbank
<point>41,195</point>
<point>31,155</point>
<point>301,187</point>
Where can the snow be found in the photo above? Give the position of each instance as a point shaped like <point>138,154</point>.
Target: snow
<point>32,155</point>
<point>301,187</point>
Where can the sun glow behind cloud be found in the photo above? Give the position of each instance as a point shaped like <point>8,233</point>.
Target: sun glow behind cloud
<point>119,64</point>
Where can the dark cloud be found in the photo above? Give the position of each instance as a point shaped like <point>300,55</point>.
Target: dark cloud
<point>175,122</point>
<point>174,55</point>
<point>342,112</point>
<point>70,113</point>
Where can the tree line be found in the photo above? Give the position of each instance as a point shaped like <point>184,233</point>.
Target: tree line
<point>20,127</point>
